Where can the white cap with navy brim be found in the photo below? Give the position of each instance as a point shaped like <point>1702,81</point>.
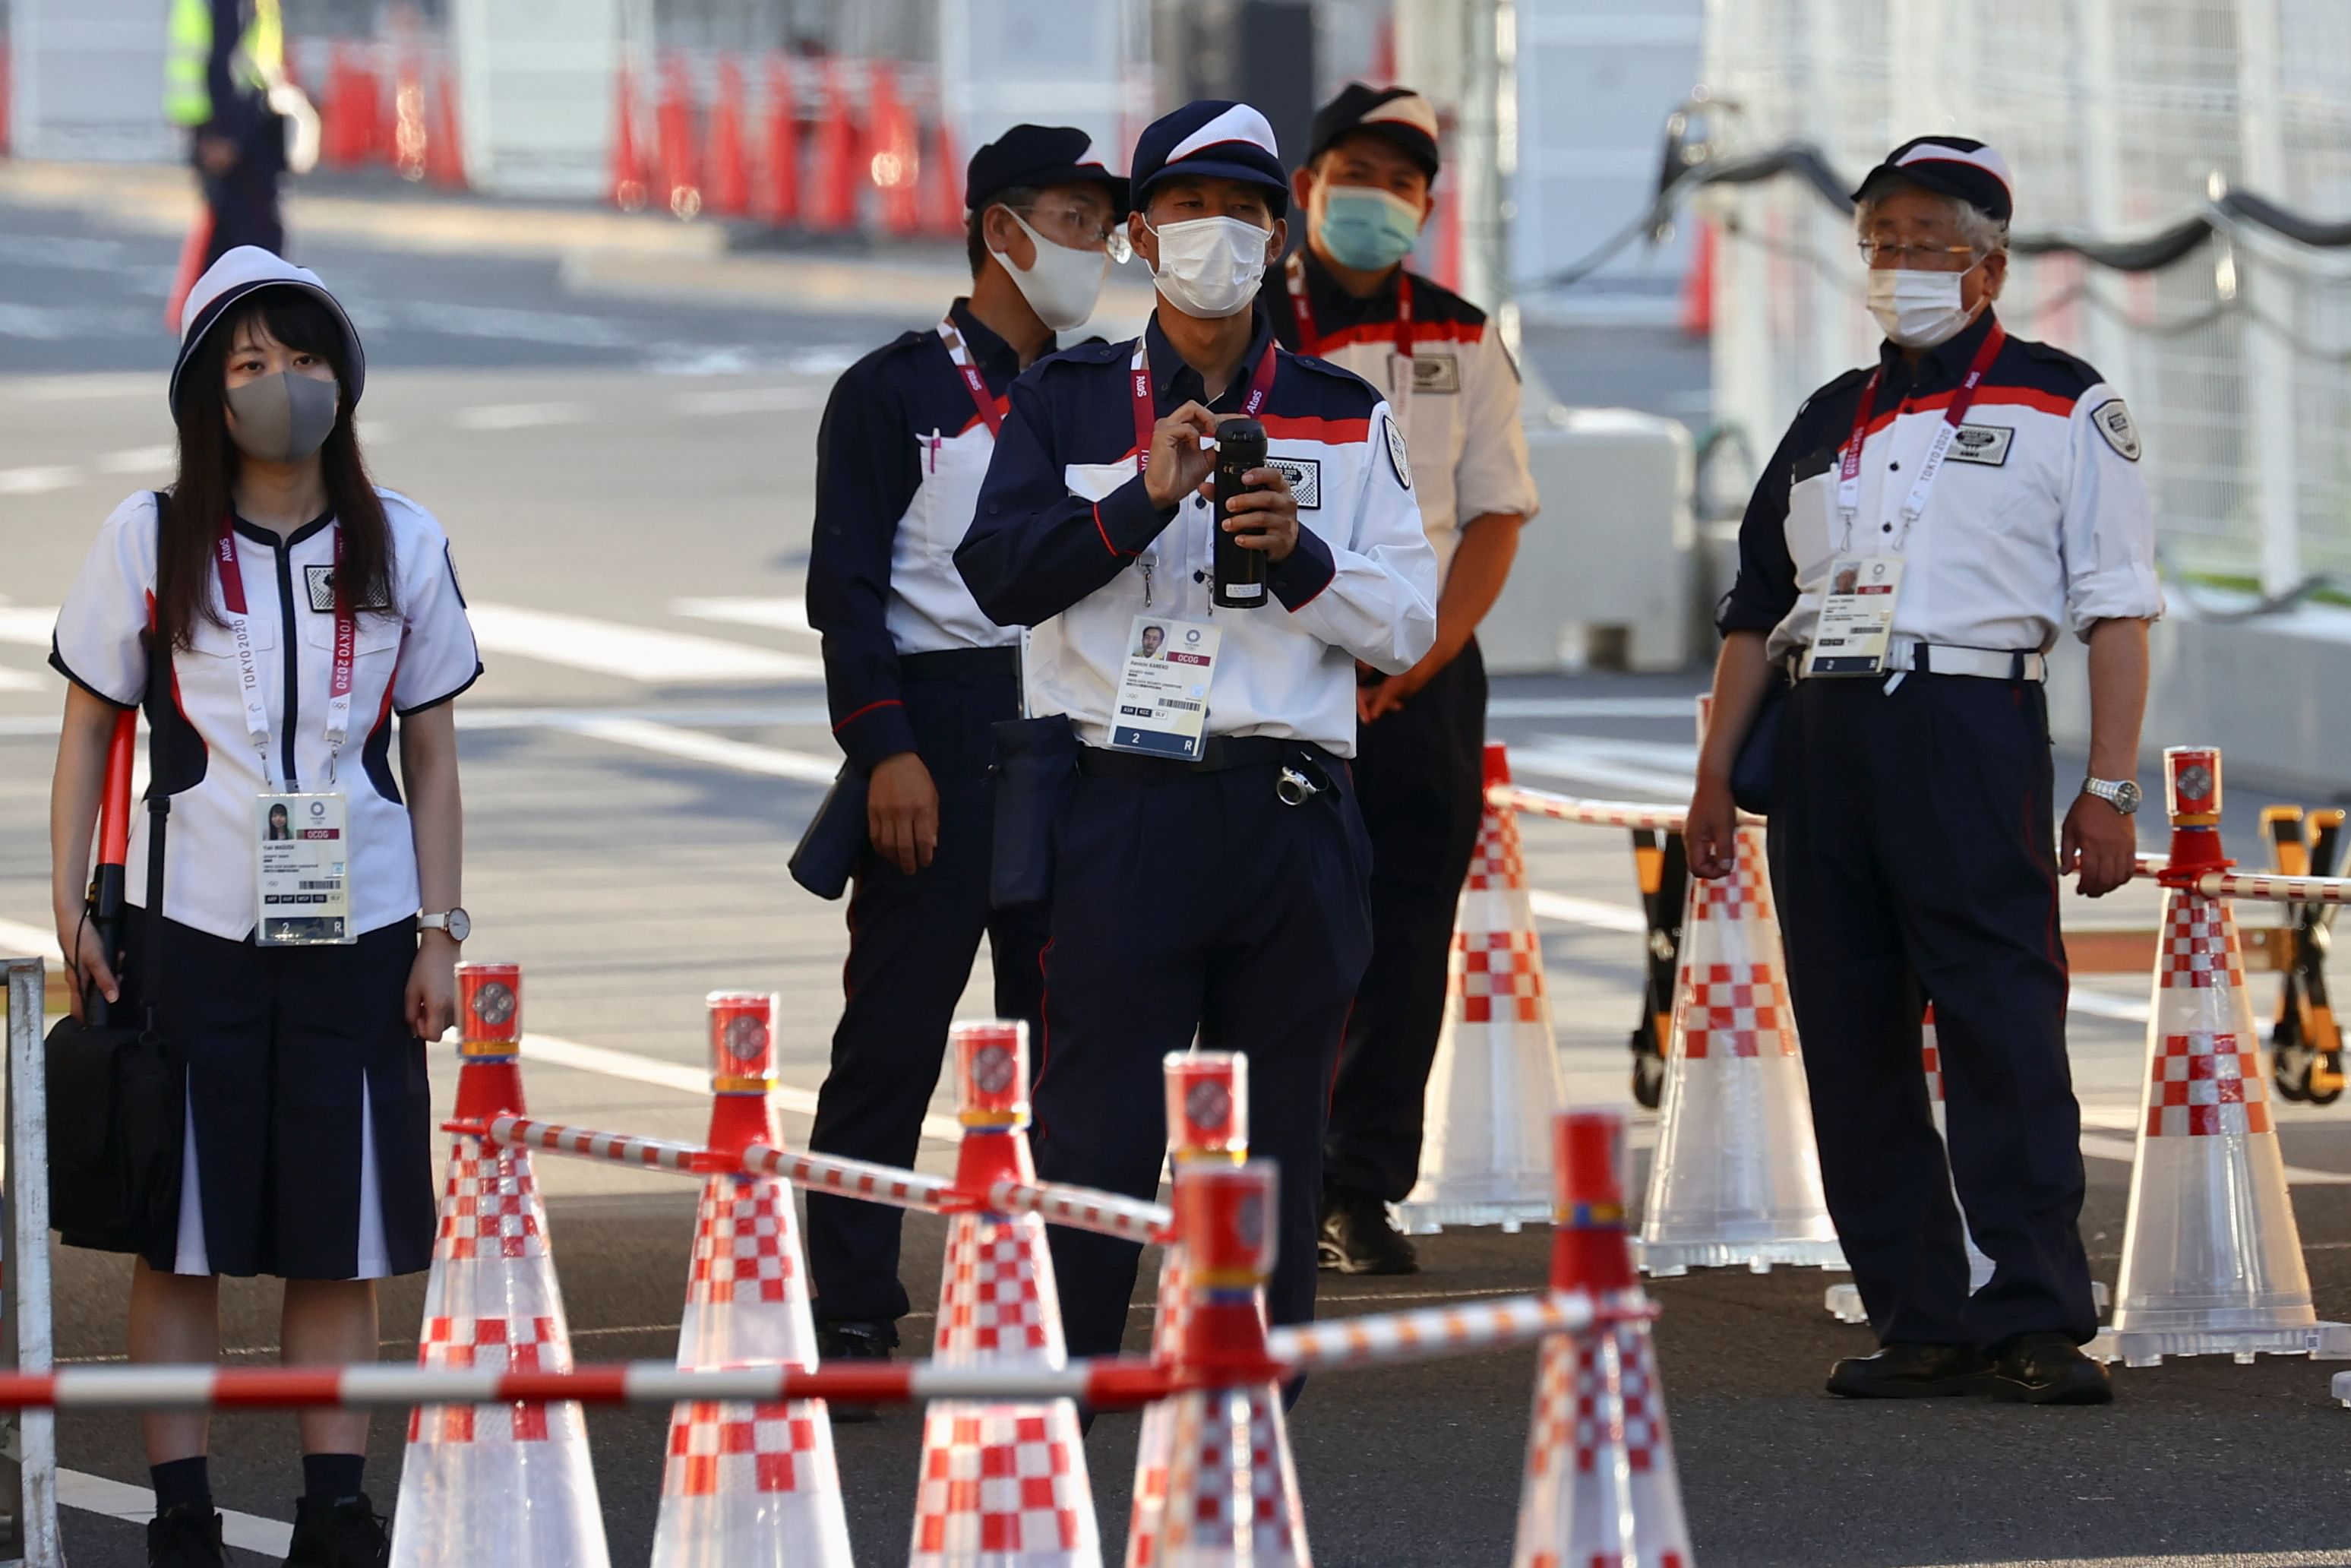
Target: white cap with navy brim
<point>246,270</point>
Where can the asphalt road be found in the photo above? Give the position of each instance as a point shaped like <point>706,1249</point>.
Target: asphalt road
<point>627,481</point>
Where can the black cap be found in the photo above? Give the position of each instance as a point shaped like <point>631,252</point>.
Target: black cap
<point>1948,166</point>
<point>1398,113</point>
<point>1214,137</point>
<point>1039,155</point>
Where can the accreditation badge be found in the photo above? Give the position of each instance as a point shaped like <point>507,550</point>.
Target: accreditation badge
<point>1856,616</point>
<point>302,857</point>
<point>1163,697</point>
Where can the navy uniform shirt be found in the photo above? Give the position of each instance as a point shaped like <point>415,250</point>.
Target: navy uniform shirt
<point>2039,519</point>
<point>1067,540</point>
<point>899,459</point>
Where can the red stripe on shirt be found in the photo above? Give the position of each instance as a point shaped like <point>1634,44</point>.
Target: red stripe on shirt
<point>2013,397</point>
<point>1307,427</point>
<point>861,713</point>
<point>1384,332</point>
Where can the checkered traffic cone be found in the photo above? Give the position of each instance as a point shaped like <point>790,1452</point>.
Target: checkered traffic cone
<point>504,1486</point>
<point>1736,1178</point>
<point>1002,1485</point>
<point>1495,1077</point>
<point>746,1484</point>
<point>2211,1257</point>
<point>1601,1490</point>
<point>1207,1120</point>
<point>1232,1491</point>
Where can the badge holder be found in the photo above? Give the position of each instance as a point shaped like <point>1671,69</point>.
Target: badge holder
<point>302,862</point>
<point>1162,708</point>
<point>1857,619</point>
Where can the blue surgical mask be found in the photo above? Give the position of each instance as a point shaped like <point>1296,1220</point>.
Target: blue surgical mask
<point>1367,229</point>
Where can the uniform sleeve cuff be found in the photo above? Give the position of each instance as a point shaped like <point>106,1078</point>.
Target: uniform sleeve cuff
<point>1300,577</point>
<point>875,732</point>
<point>1127,520</point>
<point>57,662</point>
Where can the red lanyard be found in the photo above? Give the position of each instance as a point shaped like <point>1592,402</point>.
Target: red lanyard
<point>1849,462</point>
<point>1310,342</point>
<point>249,670</point>
<point>973,382</point>
<point>1147,414</point>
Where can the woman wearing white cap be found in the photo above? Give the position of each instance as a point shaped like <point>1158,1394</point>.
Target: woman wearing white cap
<point>272,612</point>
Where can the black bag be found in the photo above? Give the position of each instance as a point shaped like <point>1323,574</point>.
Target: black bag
<point>1036,770</point>
<point>117,1095</point>
<point>1758,758</point>
<point>836,836</point>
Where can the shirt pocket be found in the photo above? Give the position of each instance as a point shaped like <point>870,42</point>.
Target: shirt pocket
<point>952,472</point>
<point>375,652</point>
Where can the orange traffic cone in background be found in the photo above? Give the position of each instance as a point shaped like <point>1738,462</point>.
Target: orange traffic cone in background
<point>627,185</point>
<point>780,183</point>
<point>444,151</point>
<point>1736,1178</point>
<point>833,203</point>
<point>494,1486</point>
<point>1232,1489</point>
<point>189,267</point>
<point>1496,1079</point>
<point>730,175</point>
<point>750,1485</point>
<point>943,177</point>
<point>896,164</point>
<point>2212,1256</point>
<point>1697,283</point>
<point>405,136</point>
<point>1601,1485</point>
<point>1207,1122</point>
<point>1002,1485</point>
<point>673,139</point>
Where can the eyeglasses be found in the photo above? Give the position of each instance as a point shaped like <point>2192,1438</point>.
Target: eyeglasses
<point>1929,256</point>
<point>1083,229</point>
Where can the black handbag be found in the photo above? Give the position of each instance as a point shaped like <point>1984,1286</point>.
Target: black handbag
<point>836,836</point>
<point>117,1095</point>
<point>1758,757</point>
<point>1036,770</point>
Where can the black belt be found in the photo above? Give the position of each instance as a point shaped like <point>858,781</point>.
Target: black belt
<point>960,663</point>
<point>1220,753</point>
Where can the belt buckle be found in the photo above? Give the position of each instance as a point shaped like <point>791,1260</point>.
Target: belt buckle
<point>1298,782</point>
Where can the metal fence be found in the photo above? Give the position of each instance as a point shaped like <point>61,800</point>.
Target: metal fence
<point>2118,117</point>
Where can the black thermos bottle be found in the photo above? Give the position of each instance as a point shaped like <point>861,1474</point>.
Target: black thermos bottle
<point>1239,573</point>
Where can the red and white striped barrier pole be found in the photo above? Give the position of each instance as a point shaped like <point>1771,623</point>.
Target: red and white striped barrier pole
<point>620,1148</point>
<point>1430,1332</point>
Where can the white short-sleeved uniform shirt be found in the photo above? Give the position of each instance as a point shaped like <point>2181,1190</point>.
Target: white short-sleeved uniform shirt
<point>403,662</point>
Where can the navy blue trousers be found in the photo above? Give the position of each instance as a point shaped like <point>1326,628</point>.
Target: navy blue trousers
<point>1422,774</point>
<point>1184,903</point>
<point>912,940</point>
<point>1913,856</point>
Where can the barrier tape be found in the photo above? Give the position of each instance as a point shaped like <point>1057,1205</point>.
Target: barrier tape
<point>521,1132</point>
<point>851,1178</point>
<point>1082,1209</point>
<point>1595,813</point>
<point>2274,888</point>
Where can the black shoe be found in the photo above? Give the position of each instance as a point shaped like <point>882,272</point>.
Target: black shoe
<point>2047,1369</point>
<point>1907,1371</point>
<point>187,1536</point>
<point>854,1341</point>
<point>1357,1238</point>
<point>339,1532</point>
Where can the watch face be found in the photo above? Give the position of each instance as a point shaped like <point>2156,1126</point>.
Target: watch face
<point>2128,796</point>
<point>460,926</point>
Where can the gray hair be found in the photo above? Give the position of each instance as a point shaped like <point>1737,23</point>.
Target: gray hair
<point>1978,230</point>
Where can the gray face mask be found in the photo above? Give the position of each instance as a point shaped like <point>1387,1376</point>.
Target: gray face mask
<point>282,418</point>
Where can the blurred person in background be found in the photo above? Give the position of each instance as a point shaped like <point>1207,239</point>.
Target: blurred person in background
<point>916,676</point>
<point>235,607</point>
<point>1347,297</point>
<point>1992,484</point>
<point>225,83</point>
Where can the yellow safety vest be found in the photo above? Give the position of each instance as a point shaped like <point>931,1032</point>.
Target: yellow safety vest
<point>259,61</point>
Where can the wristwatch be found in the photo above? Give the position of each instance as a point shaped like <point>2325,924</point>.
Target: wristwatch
<point>456,922</point>
<point>2122,794</point>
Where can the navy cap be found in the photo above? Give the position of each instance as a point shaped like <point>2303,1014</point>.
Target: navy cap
<point>240,272</point>
<point>1037,155</point>
<point>1216,138</point>
<point>1396,113</point>
<point>1949,166</point>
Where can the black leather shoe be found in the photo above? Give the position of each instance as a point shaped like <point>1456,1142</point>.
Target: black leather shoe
<point>2047,1369</point>
<point>1903,1371</point>
<point>188,1536</point>
<point>346,1533</point>
<point>1357,1238</point>
<point>854,1341</point>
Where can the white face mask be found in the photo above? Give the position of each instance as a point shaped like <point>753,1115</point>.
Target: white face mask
<point>1061,284</point>
<point>1210,268</point>
<point>1918,309</point>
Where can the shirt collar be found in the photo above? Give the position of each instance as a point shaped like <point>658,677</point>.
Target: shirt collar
<point>1943,365</point>
<point>1174,382</point>
<point>997,360</point>
<point>1333,306</point>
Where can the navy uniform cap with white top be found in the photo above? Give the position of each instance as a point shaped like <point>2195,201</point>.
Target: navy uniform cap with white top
<point>913,666</point>
<point>1911,824</point>
<point>412,655</point>
<point>1189,898</point>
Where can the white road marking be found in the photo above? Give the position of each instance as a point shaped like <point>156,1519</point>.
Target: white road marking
<point>636,1069</point>
<point>749,400</point>
<point>520,415</point>
<point>19,681</point>
<point>19,940</point>
<point>1573,911</point>
<point>82,389</point>
<point>140,460</point>
<point>634,653</point>
<point>1591,707</point>
<point>136,1505</point>
<point>35,481</point>
<point>714,750</point>
<point>27,624</point>
<point>1643,767</point>
<point>774,614</point>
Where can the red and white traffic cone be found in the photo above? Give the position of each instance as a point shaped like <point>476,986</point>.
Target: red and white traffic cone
<point>1207,1122</point>
<point>748,1484</point>
<point>780,176</point>
<point>1737,1176</point>
<point>730,174</point>
<point>2212,1256</point>
<point>1495,1080</point>
<point>1002,1485</point>
<point>1232,1490</point>
<point>673,115</point>
<point>1601,1489</point>
<point>832,205</point>
<point>494,1486</point>
<point>628,178</point>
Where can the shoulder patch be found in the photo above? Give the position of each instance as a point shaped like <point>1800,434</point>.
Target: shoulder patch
<point>2113,421</point>
<point>1396,458</point>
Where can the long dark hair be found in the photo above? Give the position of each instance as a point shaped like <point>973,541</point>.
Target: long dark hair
<point>203,494</point>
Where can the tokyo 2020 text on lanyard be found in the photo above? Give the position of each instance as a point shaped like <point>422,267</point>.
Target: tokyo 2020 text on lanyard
<point>301,840</point>
<point>1856,628</point>
<point>1310,342</point>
